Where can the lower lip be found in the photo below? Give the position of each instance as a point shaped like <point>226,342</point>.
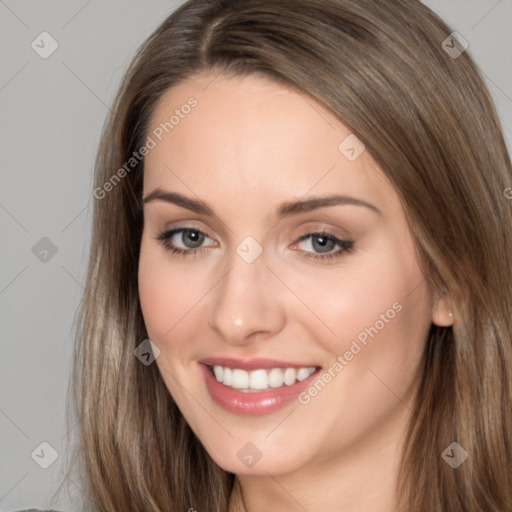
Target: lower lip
<point>252,404</point>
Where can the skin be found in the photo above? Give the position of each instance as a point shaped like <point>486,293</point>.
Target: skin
<point>248,146</point>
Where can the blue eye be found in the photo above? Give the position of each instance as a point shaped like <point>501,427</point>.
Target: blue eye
<point>322,243</point>
<point>191,239</point>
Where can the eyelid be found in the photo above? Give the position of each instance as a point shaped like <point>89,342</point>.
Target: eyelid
<point>328,228</point>
<point>188,225</point>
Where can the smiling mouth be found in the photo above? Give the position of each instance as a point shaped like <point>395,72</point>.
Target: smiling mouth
<point>260,380</point>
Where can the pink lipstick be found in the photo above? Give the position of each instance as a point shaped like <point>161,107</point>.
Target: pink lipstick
<point>254,387</point>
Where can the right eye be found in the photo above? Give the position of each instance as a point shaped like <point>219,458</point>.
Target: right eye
<point>191,240</point>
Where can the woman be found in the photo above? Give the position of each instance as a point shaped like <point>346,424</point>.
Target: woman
<point>302,205</point>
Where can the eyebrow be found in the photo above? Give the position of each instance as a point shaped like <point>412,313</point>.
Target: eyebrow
<point>286,209</point>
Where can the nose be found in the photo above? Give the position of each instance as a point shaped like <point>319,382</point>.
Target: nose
<point>246,304</point>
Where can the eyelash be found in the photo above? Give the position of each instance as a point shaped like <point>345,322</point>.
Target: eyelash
<point>346,246</point>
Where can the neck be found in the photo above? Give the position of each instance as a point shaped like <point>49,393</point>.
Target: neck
<point>361,479</point>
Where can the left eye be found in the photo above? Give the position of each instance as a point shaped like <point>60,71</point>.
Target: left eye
<point>320,242</point>
<point>322,245</point>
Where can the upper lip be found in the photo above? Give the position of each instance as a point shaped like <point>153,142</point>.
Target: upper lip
<point>253,364</point>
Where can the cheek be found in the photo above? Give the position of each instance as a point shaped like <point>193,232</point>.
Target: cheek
<point>156,305</point>
<point>377,314</point>
<point>165,293</point>
<point>381,320</point>
<point>167,299</point>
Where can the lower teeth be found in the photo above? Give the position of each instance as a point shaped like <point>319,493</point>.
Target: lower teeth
<point>255,390</point>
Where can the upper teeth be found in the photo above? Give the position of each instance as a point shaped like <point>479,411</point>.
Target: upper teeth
<point>260,379</point>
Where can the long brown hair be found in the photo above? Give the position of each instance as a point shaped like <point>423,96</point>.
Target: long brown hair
<point>425,116</point>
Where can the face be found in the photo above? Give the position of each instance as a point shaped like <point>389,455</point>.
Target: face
<point>313,312</point>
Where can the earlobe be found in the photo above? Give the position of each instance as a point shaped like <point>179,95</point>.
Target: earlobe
<point>442,312</point>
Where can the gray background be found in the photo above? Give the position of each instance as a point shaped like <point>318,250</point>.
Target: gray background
<point>52,113</point>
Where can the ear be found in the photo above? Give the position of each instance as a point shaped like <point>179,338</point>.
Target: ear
<point>442,311</point>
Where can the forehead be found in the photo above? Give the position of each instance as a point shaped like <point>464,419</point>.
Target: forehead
<point>251,137</point>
